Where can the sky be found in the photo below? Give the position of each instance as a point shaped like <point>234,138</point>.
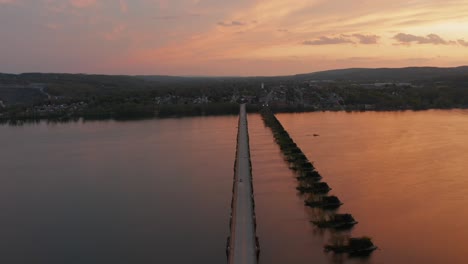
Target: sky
<point>229,37</point>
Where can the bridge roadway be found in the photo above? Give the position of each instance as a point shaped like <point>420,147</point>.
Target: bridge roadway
<point>242,243</point>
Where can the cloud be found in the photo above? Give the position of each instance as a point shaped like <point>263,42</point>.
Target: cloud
<point>231,24</point>
<point>412,22</point>
<point>407,39</point>
<point>283,30</point>
<point>367,39</point>
<point>82,3</point>
<point>324,40</point>
<point>344,39</point>
<point>463,42</point>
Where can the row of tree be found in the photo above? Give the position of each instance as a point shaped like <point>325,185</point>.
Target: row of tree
<point>316,193</point>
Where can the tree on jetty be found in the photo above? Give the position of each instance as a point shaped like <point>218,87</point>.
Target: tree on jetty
<point>309,183</point>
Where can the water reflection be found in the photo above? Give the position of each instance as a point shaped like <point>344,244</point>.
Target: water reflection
<point>139,192</point>
<point>153,191</point>
<point>401,175</point>
<point>283,222</point>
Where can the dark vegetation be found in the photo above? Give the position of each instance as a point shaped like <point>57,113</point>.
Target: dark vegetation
<point>70,96</point>
<point>67,96</point>
<point>313,187</point>
<point>337,221</point>
<point>359,246</point>
<point>316,193</point>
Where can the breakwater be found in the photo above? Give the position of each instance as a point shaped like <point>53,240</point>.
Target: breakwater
<point>315,193</point>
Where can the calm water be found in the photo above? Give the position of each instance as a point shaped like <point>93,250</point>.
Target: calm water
<point>153,191</point>
<point>283,227</point>
<point>403,175</point>
<point>159,191</point>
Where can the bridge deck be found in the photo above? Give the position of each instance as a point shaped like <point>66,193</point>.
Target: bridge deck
<point>243,246</point>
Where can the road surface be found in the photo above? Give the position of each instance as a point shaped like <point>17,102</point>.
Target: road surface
<point>243,242</point>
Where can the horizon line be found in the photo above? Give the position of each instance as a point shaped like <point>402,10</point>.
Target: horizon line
<point>230,76</point>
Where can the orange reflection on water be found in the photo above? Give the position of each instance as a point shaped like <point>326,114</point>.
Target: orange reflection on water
<point>401,174</point>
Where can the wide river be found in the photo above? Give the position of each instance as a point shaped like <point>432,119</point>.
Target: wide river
<point>159,191</point>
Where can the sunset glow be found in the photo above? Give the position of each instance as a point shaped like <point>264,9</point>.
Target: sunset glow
<point>219,37</point>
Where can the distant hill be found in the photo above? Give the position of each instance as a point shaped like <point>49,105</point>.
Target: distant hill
<point>164,78</point>
<point>408,74</point>
<point>352,74</point>
<point>389,74</point>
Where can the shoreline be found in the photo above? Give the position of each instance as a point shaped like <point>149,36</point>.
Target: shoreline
<point>133,117</point>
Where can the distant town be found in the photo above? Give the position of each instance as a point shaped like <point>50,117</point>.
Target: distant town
<point>70,96</point>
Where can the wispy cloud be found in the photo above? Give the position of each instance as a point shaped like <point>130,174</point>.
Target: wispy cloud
<point>344,39</point>
<point>367,39</point>
<point>463,42</point>
<point>411,22</point>
<point>231,23</point>
<point>198,35</point>
<point>407,39</point>
<point>324,40</point>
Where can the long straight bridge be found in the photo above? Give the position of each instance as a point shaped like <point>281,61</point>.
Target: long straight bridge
<point>242,246</point>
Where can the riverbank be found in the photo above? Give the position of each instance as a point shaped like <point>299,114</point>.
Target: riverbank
<point>18,115</point>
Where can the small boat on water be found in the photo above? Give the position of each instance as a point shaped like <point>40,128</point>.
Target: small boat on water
<point>337,221</point>
<point>361,246</point>
<point>315,187</point>
<point>325,202</point>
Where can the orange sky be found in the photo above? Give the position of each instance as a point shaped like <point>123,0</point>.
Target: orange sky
<point>221,37</point>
